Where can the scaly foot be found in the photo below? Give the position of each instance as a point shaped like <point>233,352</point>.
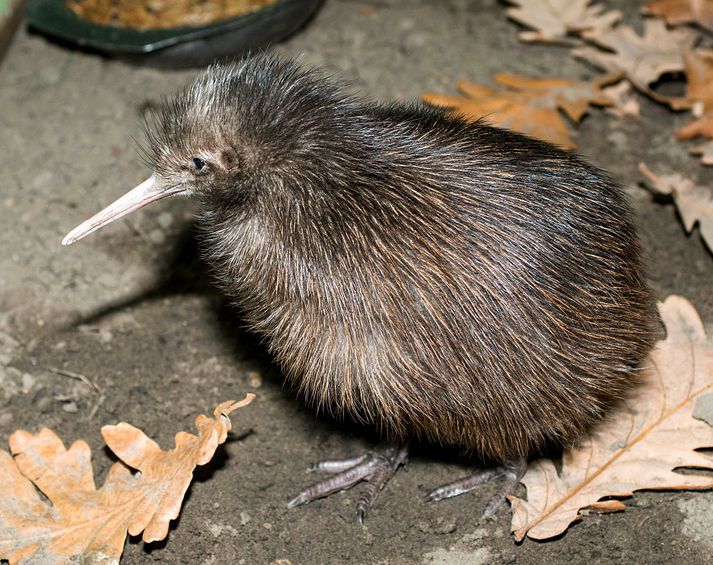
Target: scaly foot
<point>376,466</point>
<point>511,472</point>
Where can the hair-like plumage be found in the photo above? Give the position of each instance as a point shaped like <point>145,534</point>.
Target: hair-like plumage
<point>434,277</point>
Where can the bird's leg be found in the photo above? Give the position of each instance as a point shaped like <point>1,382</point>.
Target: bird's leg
<point>376,466</point>
<point>511,472</point>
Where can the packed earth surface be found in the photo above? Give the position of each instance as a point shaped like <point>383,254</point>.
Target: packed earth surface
<point>133,308</point>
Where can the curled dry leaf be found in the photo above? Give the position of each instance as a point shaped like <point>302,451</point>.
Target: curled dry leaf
<point>677,12</point>
<point>89,524</point>
<point>640,444</point>
<point>528,105</point>
<point>555,21</point>
<point>644,58</point>
<point>694,203</point>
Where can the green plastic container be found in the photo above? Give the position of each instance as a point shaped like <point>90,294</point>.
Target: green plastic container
<point>176,47</point>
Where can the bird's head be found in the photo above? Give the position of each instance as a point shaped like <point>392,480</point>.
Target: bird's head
<point>237,132</point>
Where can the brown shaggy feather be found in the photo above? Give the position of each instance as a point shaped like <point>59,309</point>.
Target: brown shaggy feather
<point>433,277</point>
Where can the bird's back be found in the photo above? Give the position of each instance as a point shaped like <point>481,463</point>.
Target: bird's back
<point>451,281</point>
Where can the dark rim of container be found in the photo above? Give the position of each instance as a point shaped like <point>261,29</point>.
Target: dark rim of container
<point>53,17</point>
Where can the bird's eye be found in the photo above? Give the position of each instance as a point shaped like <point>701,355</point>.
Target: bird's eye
<point>198,164</point>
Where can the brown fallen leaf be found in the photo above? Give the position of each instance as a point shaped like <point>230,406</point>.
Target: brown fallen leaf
<point>556,21</point>
<point>677,12</point>
<point>699,80</point>
<point>694,203</point>
<point>528,105</point>
<point>704,151</point>
<point>86,524</point>
<point>702,126</point>
<point>639,445</point>
<point>625,103</point>
<point>644,58</point>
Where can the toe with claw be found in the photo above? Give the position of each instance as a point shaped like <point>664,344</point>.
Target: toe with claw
<point>510,473</point>
<point>377,467</point>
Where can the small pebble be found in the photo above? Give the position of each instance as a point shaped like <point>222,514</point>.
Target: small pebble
<point>70,407</point>
<point>255,379</point>
<point>43,404</point>
<point>157,236</point>
<point>8,346</point>
<point>28,381</point>
<point>165,219</point>
<point>9,381</point>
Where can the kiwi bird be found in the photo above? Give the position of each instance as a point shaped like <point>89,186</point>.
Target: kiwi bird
<point>438,279</point>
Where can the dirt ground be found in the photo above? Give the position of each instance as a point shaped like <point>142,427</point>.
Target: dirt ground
<point>133,309</point>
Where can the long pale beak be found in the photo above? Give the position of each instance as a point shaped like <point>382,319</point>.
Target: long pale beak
<point>148,191</point>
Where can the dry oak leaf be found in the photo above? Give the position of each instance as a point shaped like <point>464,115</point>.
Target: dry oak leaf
<point>677,12</point>
<point>555,21</point>
<point>705,151</point>
<point>639,445</point>
<point>703,126</point>
<point>694,203</point>
<point>529,105</point>
<point>644,58</point>
<point>81,522</point>
<point>625,103</point>
<point>699,80</point>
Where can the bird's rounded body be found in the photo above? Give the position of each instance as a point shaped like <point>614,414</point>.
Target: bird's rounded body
<point>436,278</point>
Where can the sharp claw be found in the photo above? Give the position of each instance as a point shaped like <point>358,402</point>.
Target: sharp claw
<point>511,473</point>
<point>301,498</point>
<point>435,496</point>
<point>491,507</point>
<point>463,485</point>
<point>361,515</point>
<point>376,467</point>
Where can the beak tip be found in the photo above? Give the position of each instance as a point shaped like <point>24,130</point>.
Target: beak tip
<point>69,239</point>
